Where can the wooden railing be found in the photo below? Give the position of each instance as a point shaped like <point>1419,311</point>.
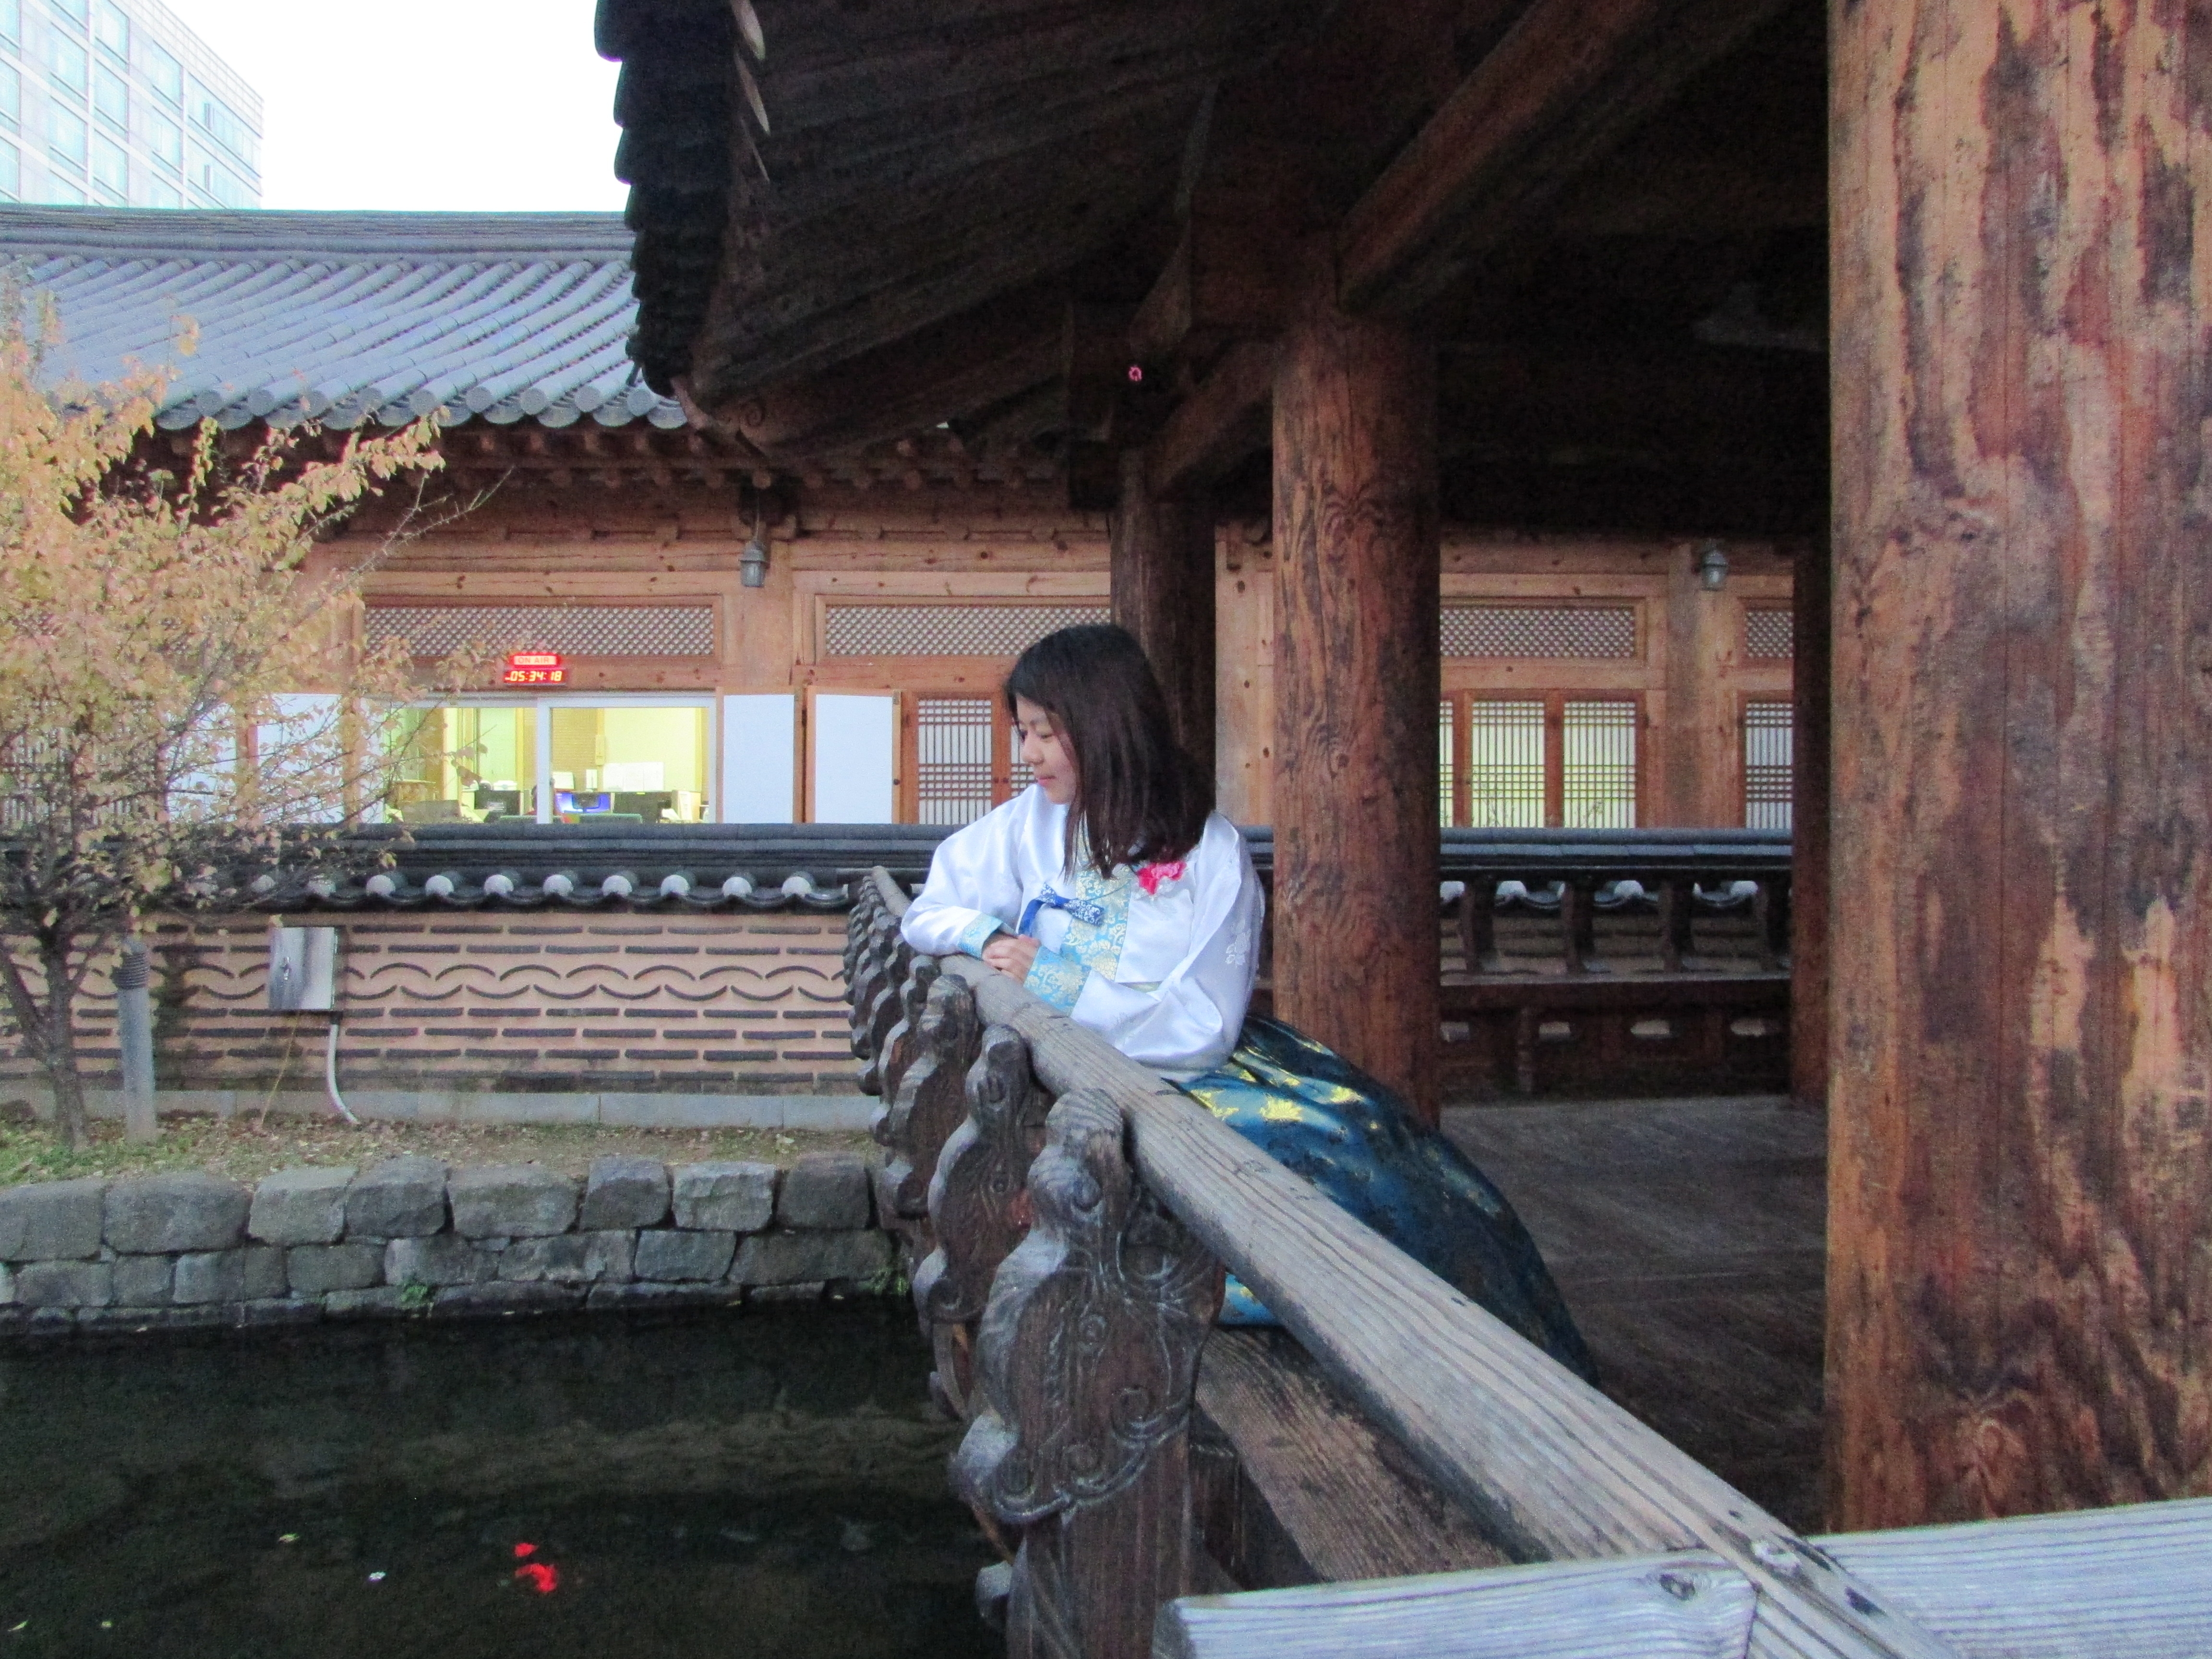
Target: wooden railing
<point>1069,1215</point>
<point>1604,961</point>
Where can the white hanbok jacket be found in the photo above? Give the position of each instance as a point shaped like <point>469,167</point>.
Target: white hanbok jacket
<point>1159,961</point>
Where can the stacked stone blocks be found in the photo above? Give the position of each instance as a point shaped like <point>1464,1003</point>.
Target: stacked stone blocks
<point>410,1235</point>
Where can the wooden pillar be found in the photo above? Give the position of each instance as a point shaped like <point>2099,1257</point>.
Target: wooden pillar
<point>1358,672</point>
<point>1698,764</point>
<point>2020,1173</point>
<point>1163,579</point>
<point>1809,832</point>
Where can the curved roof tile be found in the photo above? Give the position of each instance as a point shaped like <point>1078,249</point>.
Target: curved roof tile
<point>343,317</point>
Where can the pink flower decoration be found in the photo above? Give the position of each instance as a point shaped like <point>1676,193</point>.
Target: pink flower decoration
<point>1153,877</point>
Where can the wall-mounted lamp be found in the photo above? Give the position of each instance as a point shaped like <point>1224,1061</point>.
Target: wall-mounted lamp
<point>752,563</point>
<point>1712,567</point>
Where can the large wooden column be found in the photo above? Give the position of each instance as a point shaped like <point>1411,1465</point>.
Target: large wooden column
<point>1809,813</point>
<point>1357,680</point>
<point>2021,1221</point>
<point>1163,584</point>
<point>1699,766</point>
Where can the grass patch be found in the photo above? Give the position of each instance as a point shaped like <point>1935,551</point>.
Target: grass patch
<point>244,1149</point>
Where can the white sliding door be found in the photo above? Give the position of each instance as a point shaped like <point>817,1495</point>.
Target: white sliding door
<point>760,758</point>
<point>853,765</point>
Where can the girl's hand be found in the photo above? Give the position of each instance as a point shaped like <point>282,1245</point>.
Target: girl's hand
<point>1012,956</point>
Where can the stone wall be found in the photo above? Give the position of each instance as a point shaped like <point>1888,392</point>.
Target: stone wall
<point>532,1002</point>
<point>409,1236</point>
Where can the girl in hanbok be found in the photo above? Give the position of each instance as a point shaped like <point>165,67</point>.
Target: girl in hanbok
<point>1111,888</point>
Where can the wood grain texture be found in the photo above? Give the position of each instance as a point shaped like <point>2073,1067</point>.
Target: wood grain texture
<point>1344,1501</point>
<point>1689,1239</point>
<point>1164,594</point>
<point>1683,1606</point>
<point>1808,833</point>
<point>2135,1580</point>
<point>1550,1467</point>
<point>2021,1273</point>
<point>1224,281</point>
<point>901,1044</point>
<point>1086,1358</point>
<point>979,1205</point>
<point>1357,669</point>
<point>1220,423</point>
<point>2131,1580</point>
<point>927,1099</point>
<point>1696,741</point>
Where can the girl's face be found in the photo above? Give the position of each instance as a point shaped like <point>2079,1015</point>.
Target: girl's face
<point>1045,751</point>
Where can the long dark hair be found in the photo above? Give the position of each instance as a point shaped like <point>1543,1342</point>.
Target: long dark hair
<point>1140,798</point>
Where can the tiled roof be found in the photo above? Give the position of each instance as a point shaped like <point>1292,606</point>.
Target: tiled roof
<point>805,866</point>
<point>345,318</point>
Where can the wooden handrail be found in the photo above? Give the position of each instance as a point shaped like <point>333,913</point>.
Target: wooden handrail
<point>1552,1468</point>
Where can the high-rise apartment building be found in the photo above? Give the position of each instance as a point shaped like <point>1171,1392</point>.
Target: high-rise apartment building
<point>117,102</point>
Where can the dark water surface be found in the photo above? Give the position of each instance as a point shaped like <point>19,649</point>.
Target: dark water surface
<point>768,1483</point>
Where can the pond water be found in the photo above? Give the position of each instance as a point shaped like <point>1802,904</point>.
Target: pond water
<point>768,1483</point>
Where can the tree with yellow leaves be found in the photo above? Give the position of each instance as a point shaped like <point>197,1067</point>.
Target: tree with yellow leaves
<point>182,706</point>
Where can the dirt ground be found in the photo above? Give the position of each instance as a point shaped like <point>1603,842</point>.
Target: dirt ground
<point>245,1149</point>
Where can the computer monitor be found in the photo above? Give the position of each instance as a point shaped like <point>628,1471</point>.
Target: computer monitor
<point>568,800</point>
<point>651,805</point>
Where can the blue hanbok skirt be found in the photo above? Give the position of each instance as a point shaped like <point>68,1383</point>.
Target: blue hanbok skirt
<point>1323,1118</point>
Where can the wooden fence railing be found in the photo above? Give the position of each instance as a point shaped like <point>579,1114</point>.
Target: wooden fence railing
<point>1069,1217</point>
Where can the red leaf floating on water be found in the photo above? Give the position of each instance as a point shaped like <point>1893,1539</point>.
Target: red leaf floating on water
<point>540,1577</point>
<point>523,1549</point>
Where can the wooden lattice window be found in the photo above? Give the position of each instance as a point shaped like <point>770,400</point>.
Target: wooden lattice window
<point>952,759</point>
<point>1770,774</point>
<point>1768,635</point>
<point>1597,765</point>
<point>576,630</point>
<point>1447,762</point>
<point>947,630</point>
<point>1527,762</point>
<point>1598,632</point>
<point>961,758</point>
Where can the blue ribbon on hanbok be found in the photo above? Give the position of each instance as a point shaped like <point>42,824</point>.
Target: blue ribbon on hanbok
<point>1083,911</point>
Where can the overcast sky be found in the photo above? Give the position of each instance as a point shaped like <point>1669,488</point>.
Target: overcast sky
<point>483,105</point>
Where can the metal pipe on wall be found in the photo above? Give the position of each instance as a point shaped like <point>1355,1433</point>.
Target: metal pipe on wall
<point>134,1030</point>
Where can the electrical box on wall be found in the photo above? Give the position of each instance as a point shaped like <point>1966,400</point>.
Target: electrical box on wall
<point>303,969</point>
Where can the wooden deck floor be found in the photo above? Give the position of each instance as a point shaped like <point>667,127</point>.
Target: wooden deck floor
<point>1688,1237</point>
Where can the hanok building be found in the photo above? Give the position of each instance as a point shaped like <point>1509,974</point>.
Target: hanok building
<point>778,621</point>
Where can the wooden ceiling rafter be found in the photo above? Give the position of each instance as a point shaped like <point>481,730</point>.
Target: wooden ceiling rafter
<point>1568,82</point>
<point>943,178</point>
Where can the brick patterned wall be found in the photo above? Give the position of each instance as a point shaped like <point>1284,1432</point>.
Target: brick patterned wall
<point>554,1002</point>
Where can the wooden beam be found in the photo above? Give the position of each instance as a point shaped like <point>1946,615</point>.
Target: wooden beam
<point>1689,1604</point>
<point>1358,672</point>
<point>1569,81</point>
<point>955,368</point>
<point>1219,424</point>
<point>2019,1283</point>
<point>1163,586</point>
<point>1094,365</point>
<point>1225,281</point>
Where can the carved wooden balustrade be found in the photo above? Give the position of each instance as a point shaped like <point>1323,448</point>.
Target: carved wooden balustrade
<point>1068,1218</point>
